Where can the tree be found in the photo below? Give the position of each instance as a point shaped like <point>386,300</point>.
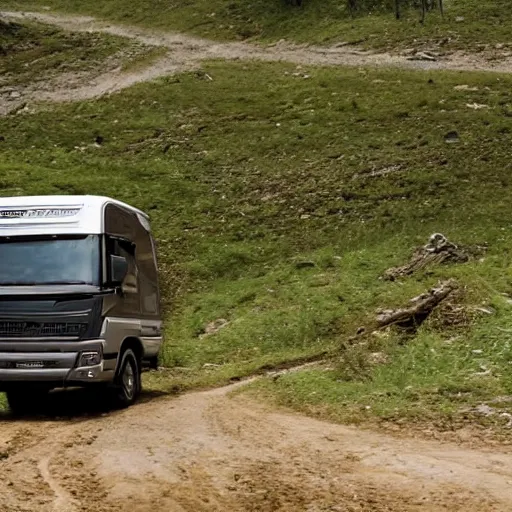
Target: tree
<point>423,5</point>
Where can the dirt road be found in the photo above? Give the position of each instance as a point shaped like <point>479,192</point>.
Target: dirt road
<point>209,452</point>
<point>186,52</point>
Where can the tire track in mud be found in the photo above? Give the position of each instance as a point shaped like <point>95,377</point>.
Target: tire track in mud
<point>187,52</point>
<point>208,451</point>
<point>43,469</point>
<point>62,500</point>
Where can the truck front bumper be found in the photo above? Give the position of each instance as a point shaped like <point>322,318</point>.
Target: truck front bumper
<point>57,362</point>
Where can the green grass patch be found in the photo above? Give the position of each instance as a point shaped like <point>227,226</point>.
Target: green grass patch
<point>277,203</point>
<point>431,378</point>
<point>33,52</point>
<point>466,24</point>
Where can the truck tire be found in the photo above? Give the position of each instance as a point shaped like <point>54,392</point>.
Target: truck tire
<point>127,383</point>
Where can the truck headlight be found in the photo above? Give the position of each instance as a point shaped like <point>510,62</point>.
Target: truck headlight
<point>90,358</point>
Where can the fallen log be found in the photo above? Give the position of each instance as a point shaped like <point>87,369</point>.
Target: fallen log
<point>437,251</point>
<point>410,318</point>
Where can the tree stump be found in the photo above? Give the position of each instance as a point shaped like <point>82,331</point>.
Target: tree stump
<point>438,250</point>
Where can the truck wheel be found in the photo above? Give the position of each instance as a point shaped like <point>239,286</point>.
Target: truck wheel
<point>127,383</point>
<point>24,400</point>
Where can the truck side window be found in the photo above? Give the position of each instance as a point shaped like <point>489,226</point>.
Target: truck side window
<point>149,281</point>
<point>125,248</point>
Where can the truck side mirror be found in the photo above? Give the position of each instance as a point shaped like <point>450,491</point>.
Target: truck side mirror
<point>118,269</point>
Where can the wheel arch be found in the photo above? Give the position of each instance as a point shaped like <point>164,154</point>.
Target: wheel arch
<point>136,345</point>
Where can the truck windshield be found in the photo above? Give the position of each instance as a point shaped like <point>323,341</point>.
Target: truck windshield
<point>50,260</point>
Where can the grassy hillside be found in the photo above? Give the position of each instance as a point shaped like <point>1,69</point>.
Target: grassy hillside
<point>467,23</point>
<point>278,203</point>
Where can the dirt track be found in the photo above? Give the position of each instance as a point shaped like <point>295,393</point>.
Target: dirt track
<point>186,52</point>
<point>209,452</point>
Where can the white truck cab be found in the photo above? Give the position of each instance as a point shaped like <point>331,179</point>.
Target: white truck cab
<point>79,296</point>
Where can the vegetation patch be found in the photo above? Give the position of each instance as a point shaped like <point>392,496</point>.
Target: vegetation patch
<point>466,24</point>
<point>33,51</point>
<point>39,56</point>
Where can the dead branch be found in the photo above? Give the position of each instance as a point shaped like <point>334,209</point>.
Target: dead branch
<point>410,318</point>
<point>438,250</point>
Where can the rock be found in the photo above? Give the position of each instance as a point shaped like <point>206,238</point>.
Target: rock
<point>509,418</point>
<point>99,140</point>
<point>378,358</point>
<point>451,137</point>
<point>422,56</point>
<point>465,87</point>
<point>14,95</point>
<point>438,242</point>
<point>459,19</point>
<point>484,409</point>
<point>215,326</point>
<point>305,264</point>
<point>476,106</point>
<point>20,109</point>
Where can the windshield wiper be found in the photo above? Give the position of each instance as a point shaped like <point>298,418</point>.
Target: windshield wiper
<point>65,282</point>
<point>36,283</point>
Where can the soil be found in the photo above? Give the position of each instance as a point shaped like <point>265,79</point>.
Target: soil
<point>209,451</point>
<point>186,52</point>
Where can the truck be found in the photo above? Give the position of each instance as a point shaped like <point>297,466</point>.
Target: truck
<point>79,297</point>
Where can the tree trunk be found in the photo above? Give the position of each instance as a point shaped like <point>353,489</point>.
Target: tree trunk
<point>410,318</point>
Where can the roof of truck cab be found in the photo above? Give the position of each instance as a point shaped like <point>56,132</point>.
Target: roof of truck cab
<point>59,214</point>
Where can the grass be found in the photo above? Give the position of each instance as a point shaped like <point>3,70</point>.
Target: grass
<point>278,203</point>
<point>466,25</point>
<point>32,52</point>
<point>431,379</point>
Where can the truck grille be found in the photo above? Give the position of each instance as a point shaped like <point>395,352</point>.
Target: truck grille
<point>36,329</point>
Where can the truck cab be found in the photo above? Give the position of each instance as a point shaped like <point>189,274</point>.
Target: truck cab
<point>79,297</point>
